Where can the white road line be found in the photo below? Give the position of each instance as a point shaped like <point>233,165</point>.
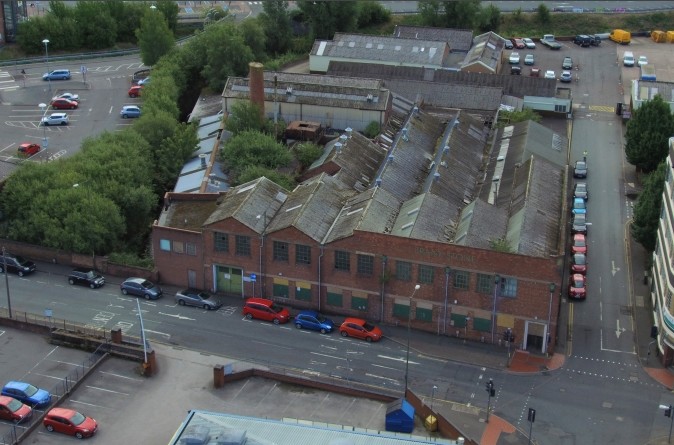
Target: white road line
<point>326,355</point>
<point>397,359</point>
<point>122,376</point>
<point>107,390</point>
<point>385,367</point>
<point>48,376</point>
<point>178,316</point>
<point>89,404</point>
<point>394,381</point>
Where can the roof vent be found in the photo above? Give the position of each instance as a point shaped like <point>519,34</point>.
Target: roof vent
<point>405,136</point>
<point>415,110</point>
<point>378,182</point>
<point>289,91</point>
<point>500,158</point>
<point>338,147</point>
<point>370,98</point>
<point>496,179</point>
<point>390,158</point>
<point>348,131</point>
<point>231,436</point>
<point>445,149</point>
<point>343,138</point>
<point>436,176</point>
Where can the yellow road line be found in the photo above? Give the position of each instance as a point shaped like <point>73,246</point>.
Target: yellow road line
<point>605,108</point>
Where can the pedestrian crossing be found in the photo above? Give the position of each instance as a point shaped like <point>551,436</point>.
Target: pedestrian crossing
<point>7,81</point>
<point>604,108</point>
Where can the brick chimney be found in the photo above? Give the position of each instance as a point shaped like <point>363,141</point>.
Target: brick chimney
<point>256,85</point>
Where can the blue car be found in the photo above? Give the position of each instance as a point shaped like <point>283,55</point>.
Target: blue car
<point>314,321</point>
<point>579,206</point>
<point>57,75</point>
<point>27,393</point>
<point>130,111</point>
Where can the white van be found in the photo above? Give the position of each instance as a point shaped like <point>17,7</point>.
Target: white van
<point>628,58</point>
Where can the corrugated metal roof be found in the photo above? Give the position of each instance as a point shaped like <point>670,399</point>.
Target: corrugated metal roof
<point>434,94</point>
<point>382,49</point>
<point>481,223</point>
<point>486,50</point>
<point>458,39</point>
<point>255,431</point>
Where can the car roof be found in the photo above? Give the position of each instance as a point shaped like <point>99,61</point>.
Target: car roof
<point>264,301</point>
<point>16,385</point>
<point>578,235</point>
<point>4,400</point>
<point>578,276</point>
<point>83,269</point>
<point>308,312</point>
<point>578,254</point>
<point>358,321</point>
<point>130,107</point>
<point>135,280</point>
<point>61,412</point>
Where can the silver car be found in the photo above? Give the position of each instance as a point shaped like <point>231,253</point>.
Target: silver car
<point>55,119</point>
<point>193,297</point>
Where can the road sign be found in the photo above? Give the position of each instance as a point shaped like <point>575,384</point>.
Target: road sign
<point>83,69</point>
<point>253,277</point>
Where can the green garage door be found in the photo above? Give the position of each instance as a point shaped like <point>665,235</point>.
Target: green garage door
<point>229,280</point>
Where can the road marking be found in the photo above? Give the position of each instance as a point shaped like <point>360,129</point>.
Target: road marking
<point>618,331</point>
<point>178,316</point>
<point>394,381</point>
<point>158,333</point>
<point>398,359</point>
<point>613,268</point>
<point>107,390</point>
<point>122,376</point>
<point>326,355</point>
<point>89,404</point>
<point>385,367</point>
<point>604,108</point>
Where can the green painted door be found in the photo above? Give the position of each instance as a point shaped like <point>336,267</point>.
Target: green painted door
<point>229,280</point>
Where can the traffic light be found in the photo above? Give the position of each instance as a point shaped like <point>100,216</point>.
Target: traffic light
<point>668,411</point>
<point>490,388</point>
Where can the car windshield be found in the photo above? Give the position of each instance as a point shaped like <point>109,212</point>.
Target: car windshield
<point>21,260</point>
<point>368,327</point>
<point>276,308</point>
<point>580,165</point>
<point>14,405</point>
<point>30,390</point>
<point>147,285</point>
<point>91,274</point>
<point>579,219</point>
<point>77,418</point>
<point>578,283</point>
<point>580,188</point>
<point>203,295</point>
<point>579,204</point>
<point>579,242</point>
<point>579,259</point>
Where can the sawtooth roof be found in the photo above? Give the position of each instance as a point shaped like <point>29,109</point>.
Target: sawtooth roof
<point>458,39</point>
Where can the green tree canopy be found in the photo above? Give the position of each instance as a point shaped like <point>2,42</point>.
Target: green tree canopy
<point>244,116</point>
<point>254,38</point>
<point>254,148</point>
<point>226,54</point>
<point>644,227</point>
<point>275,21</point>
<point>95,24</point>
<point>460,14</point>
<point>154,37</point>
<point>327,18</point>
<point>648,133</point>
<point>252,172</point>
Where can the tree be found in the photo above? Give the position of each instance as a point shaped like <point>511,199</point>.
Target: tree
<point>431,13</point>
<point>648,133</point>
<point>278,30</point>
<point>372,13</point>
<point>490,18</point>
<point>254,37</point>
<point>154,37</point>
<point>512,117</point>
<point>173,153</point>
<point>226,54</point>
<point>252,148</point>
<point>245,116</point>
<point>644,227</point>
<point>127,15</point>
<point>307,153</point>
<point>253,172</point>
<point>462,13</point>
<point>161,95</point>
<point>170,11</point>
<point>543,14</point>
<point>326,18</point>
<point>95,25</point>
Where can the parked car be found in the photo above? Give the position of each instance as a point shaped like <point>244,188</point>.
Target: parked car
<point>64,104</point>
<point>535,72</point>
<point>13,410</point>
<point>140,287</point>
<point>27,393</point>
<point>577,288</point>
<point>580,169</point>
<point>134,91</point>
<point>567,63</point>
<point>86,277</point>
<point>16,264</point>
<point>579,206</point>
<point>264,309</point>
<point>140,75</point>
<point>578,263</point>
<point>579,244</point>
<point>566,77</point>
<point>57,75</point>
<point>529,43</point>
<point>583,40</point>
<point>508,44</point>
<point>28,149</point>
<point>514,58</point>
<point>519,43</point>
<point>71,422</point>
<point>55,119</point>
<point>359,328</point>
<point>549,74</point>
<point>193,297</point>
<point>69,96</point>
<point>145,81</point>
<point>579,224</point>
<point>129,111</point>
<point>516,70</point>
<point>529,59</point>
<point>580,191</point>
<point>643,60</point>
<point>314,321</point>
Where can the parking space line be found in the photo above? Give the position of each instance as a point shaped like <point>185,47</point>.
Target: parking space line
<point>107,390</point>
<point>89,404</point>
<point>48,376</point>
<point>121,376</point>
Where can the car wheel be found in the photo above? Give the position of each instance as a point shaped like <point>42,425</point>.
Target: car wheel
<point>63,123</point>
<point>368,339</point>
<point>125,292</point>
<point>132,95</point>
<point>50,428</point>
<point>73,107</point>
<point>79,435</point>
<point>147,296</point>
<point>276,321</point>
<point>20,273</point>
<point>298,326</point>
<point>323,331</point>
<point>181,302</point>
<point>124,116</point>
<point>344,334</point>
<point>207,307</point>
<point>2,269</point>
<point>92,285</point>
<point>71,281</point>
<point>249,316</point>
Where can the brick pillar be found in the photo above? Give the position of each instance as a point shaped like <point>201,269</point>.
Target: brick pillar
<point>256,85</point>
<point>219,376</point>
<point>116,336</point>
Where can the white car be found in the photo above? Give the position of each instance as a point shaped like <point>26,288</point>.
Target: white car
<point>643,60</point>
<point>69,96</point>
<point>55,119</point>
<point>529,59</point>
<point>514,58</point>
<point>529,43</point>
<point>549,74</point>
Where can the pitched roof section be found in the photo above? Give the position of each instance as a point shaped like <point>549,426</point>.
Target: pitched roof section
<point>486,50</point>
<point>382,49</point>
<point>518,86</point>
<point>426,217</point>
<point>314,89</point>
<point>252,204</point>
<point>433,94</point>
<point>481,223</point>
<point>187,211</point>
<point>458,39</point>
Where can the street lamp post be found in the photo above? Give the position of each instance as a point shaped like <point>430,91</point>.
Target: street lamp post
<point>497,281</point>
<point>491,392</point>
<point>448,274</point>
<point>407,359</point>
<point>432,396</point>
<point>45,141</point>
<point>46,52</point>
<point>4,264</point>
<point>547,339</point>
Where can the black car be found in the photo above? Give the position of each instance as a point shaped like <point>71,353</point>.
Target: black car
<point>579,224</point>
<point>86,277</point>
<point>16,264</point>
<point>580,191</point>
<point>141,287</point>
<point>515,70</point>
<point>596,40</point>
<point>580,169</point>
<point>583,40</point>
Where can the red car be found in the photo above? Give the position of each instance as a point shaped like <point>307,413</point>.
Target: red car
<point>579,244</point>
<point>519,43</point>
<point>13,410</point>
<point>577,286</point>
<point>68,421</point>
<point>134,91</point>
<point>27,149</point>
<point>359,328</point>
<point>264,309</point>
<point>578,263</point>
<point>64,104</point>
